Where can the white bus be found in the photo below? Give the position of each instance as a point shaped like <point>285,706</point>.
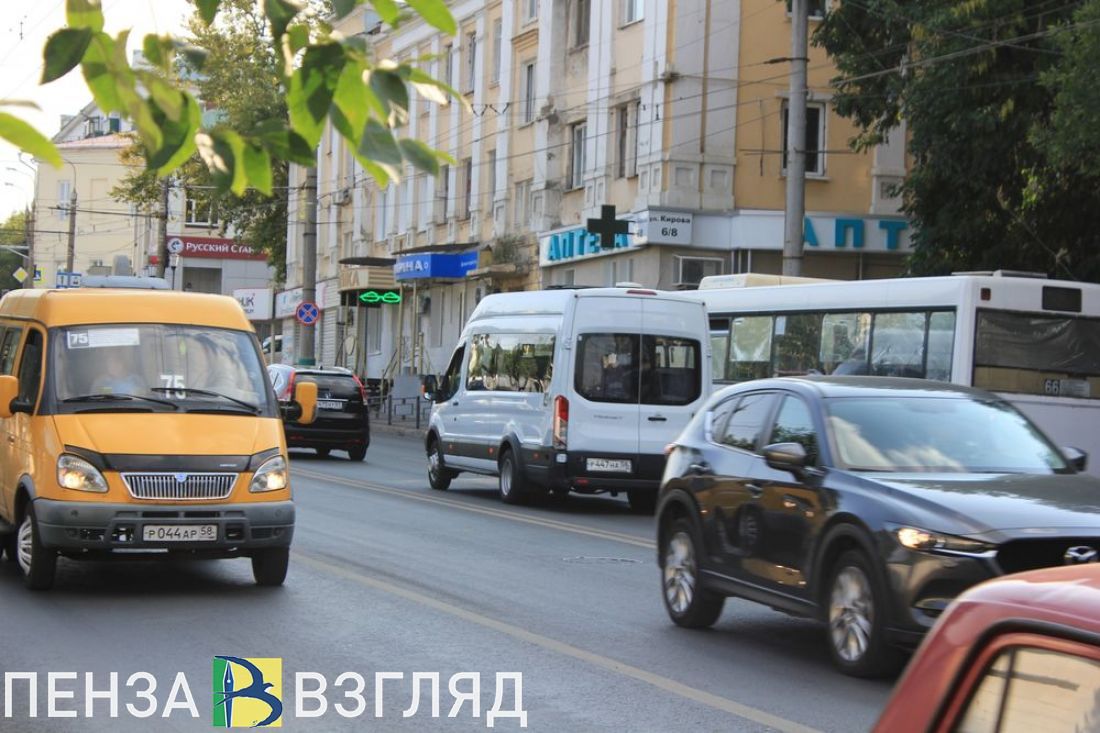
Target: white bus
<point>1034,341</point>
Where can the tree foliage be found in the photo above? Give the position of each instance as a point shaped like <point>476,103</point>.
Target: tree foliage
<point>322,74</point>
<point>12,231</point>
<point>977,84</point>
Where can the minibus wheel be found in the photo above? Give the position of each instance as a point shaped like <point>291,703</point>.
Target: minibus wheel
<point>38,563</point>
<point>269,566</point>
<point>513,484</point>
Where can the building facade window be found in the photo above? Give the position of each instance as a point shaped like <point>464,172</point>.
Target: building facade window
<point>633,10</point>
<point>622,131</point>
<point>691,270</point>
<point>443,194</point>
<point>498,49</point>
<point>815,137</point>
<point>198,213</point>
<point>374,330</point>
<point>619,270</point>
<point>491,162</point>
<point>64,193</point>
<point>448,63</point>
<point>636,142</point>
<point>817,8</point>
<point>580,21</point>
<point>528,85</point>
<point>522,197</point>
<point>382,215</point>
<point>471,61</point>
<point>467,188</point>
<point>530,10</point>
<point>579,137</point>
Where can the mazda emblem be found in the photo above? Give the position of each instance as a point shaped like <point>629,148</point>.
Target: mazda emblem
<point>1080,555</point>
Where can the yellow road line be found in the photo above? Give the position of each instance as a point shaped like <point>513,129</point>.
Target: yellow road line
<point>663,683</point>
<point>487,511</point>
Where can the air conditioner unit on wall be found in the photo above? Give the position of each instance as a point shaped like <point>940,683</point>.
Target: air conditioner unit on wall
<point>343,196</point>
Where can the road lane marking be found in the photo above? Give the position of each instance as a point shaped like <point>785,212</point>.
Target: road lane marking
<point>487,511</point>
<point>717,702</point>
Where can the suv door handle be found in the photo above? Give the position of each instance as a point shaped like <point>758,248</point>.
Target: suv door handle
<point>658,418</point>
<point>700,469</point>
<point>455,403</point>
<point>755,489</point>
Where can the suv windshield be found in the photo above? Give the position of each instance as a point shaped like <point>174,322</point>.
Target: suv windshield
<point>942,434</point>
<point>157,367</point>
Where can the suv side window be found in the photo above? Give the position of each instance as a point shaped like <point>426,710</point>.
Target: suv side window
<point>30,368</point>
<point>795,424</point>
<point>747,420</point>
<point>1028,689</point>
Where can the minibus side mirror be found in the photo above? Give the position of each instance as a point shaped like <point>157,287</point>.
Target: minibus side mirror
<point>9,390</point>
<point>1077,458</point>
<point>429,386</point>
<point>305,400</point>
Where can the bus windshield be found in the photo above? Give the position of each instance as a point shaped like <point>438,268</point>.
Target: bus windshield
<point>1035,353</point>
<point>158,366</point>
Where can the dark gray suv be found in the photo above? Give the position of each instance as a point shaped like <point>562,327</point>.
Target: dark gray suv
<point>867,502</point>
<point>343,417</point>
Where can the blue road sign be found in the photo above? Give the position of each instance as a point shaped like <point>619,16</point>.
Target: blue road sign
<point>68,279</point>
<point>307,313</point>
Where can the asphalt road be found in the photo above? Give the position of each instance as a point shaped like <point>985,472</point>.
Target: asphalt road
<point>389,576</point>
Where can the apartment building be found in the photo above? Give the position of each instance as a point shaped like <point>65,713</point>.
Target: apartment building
<point>671,112</point>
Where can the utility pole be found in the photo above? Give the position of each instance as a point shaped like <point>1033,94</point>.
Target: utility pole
<point>307,357</point>
<point>29,282</point>
<point>162,235</point>
<point>72,229</point>
<point>795,212</point>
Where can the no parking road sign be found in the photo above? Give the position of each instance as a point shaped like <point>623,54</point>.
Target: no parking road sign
<point>307,313</point>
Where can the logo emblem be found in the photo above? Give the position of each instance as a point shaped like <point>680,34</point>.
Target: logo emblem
<point>1080,555</point>
<point>248,692</point>
<point>181,478</point>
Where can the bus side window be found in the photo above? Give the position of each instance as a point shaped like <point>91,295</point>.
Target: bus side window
<point>750,348</point>
<point>897,344</point>
<point>941,341</point>
<point>30,367</point>
<point>9,345</point>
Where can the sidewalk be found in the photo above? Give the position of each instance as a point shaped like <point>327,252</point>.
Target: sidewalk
<point>405,428</point>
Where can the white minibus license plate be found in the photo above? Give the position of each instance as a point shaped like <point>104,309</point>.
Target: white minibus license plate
<point>609,465</point>
<point>330,404</point>
<point>180,532</point>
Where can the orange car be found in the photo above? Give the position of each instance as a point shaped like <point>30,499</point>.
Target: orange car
<point>1020,653</point>
<point>139,422</point>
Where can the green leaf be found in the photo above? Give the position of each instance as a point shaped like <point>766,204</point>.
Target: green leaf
<point>257,166</point>
<point>223,153</point>
<point>387,10</point>
<point>23,136</point>
<point>311,89</point>
<point>390,88</point>
<point>286,144</point>
<point>84,14</point>
<point>350,101</point>
<point>382,174</point>
<point>298,35</point>
<point>430,88</point>
<point>97,72</point>
<point>280,13</point>
<point>436,13</point>
<point>63,52</point>
<point>378,144</point>
<point>168,98</point>
<point>341,8</point>
<point>208,9</point>
<point>420,155</point>
<point>158,50</point>
<point>177,135</point>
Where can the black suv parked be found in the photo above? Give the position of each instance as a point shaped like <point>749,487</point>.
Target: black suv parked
<point>342,420</point>
<point>867,502</point>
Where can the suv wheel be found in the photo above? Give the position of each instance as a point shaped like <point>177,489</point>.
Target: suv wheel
<point>512,482</point>
<point>38,563</point>
<point>688,603</point>
<point>855,607</point>
<point>357,453</point>
<point>439,477</point>
<point>269,566</point>
<point>322,452</point>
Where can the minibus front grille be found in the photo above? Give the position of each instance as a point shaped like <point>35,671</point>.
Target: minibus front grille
<point>179,486</point>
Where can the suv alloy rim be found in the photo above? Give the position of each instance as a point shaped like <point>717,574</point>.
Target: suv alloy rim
<point>851,614</point>
<point>679,573</point>
<point>25,543</point>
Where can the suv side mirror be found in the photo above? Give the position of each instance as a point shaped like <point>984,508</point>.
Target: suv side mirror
<point>1077,458</point>
<point>305,400</point>
<point>9,390</point>
<point>786,457</point>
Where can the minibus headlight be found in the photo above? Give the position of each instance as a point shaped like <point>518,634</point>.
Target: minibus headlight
<point>271,476</point>
<point>79,475</point>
